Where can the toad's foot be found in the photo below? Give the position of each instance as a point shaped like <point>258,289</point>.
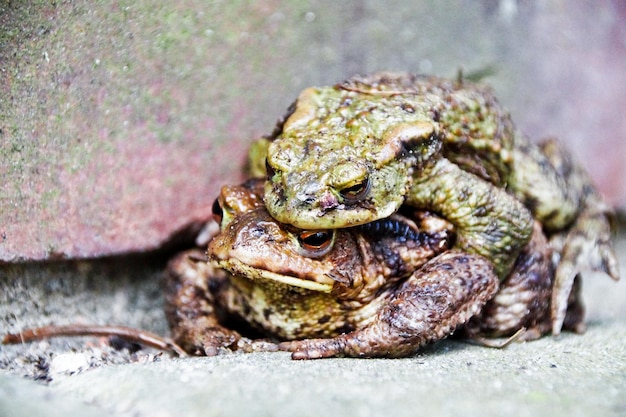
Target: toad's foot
<point>204,338</point>
<point>586,246</point>
<point>429,306</point>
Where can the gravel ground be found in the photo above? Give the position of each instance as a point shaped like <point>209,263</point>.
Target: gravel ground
<point>569,376</point>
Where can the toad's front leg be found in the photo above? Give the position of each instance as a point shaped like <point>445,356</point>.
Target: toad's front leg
<point>488,221</point>
<point>523,300</point>
<point>190,305</point>
<point>429,306</point>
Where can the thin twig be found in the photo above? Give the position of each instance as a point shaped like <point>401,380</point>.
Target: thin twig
<point>497,344</point>
<point>127,333</point>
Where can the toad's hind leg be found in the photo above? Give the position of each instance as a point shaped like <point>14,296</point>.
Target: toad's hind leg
<point>585,245</point>
<point>562,197</point>
<point>429,306</point>
<point>544,183</point>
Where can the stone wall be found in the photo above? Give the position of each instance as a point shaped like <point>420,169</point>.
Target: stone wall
<point>119,121</point>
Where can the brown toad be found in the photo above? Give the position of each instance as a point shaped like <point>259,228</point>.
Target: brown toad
<point>382,289</point>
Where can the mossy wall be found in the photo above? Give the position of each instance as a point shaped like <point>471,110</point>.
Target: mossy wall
<point>119,121</point>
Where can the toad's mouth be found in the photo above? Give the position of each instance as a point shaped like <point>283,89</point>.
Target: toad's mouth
<point>238,268</point>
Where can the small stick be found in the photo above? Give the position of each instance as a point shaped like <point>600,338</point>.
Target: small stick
<point>496,344</point>
<point>134,335</point>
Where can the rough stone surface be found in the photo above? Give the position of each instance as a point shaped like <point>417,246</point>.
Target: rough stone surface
<point>119,121</point>
<point>574,375</point>
<point>571,377</point>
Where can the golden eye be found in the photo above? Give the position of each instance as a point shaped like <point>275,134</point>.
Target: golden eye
<point>316,243</point>
<point>356,192</point>
<point>218,212</point>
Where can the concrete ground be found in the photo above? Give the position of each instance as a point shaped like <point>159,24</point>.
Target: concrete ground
<point>574,375</point>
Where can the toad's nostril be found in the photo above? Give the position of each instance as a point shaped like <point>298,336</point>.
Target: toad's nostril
<point>328,201</point>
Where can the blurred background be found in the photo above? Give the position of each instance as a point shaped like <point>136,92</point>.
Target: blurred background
<point>119,121</point>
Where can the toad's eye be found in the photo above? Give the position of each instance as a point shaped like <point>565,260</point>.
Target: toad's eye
<point>316,243</point>
<point>355,193</point>
<point>218,212</point>
<point>269,170</point>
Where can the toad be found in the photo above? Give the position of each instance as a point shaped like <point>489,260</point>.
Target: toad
<point>352,153</point>
<point>381,289</point>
